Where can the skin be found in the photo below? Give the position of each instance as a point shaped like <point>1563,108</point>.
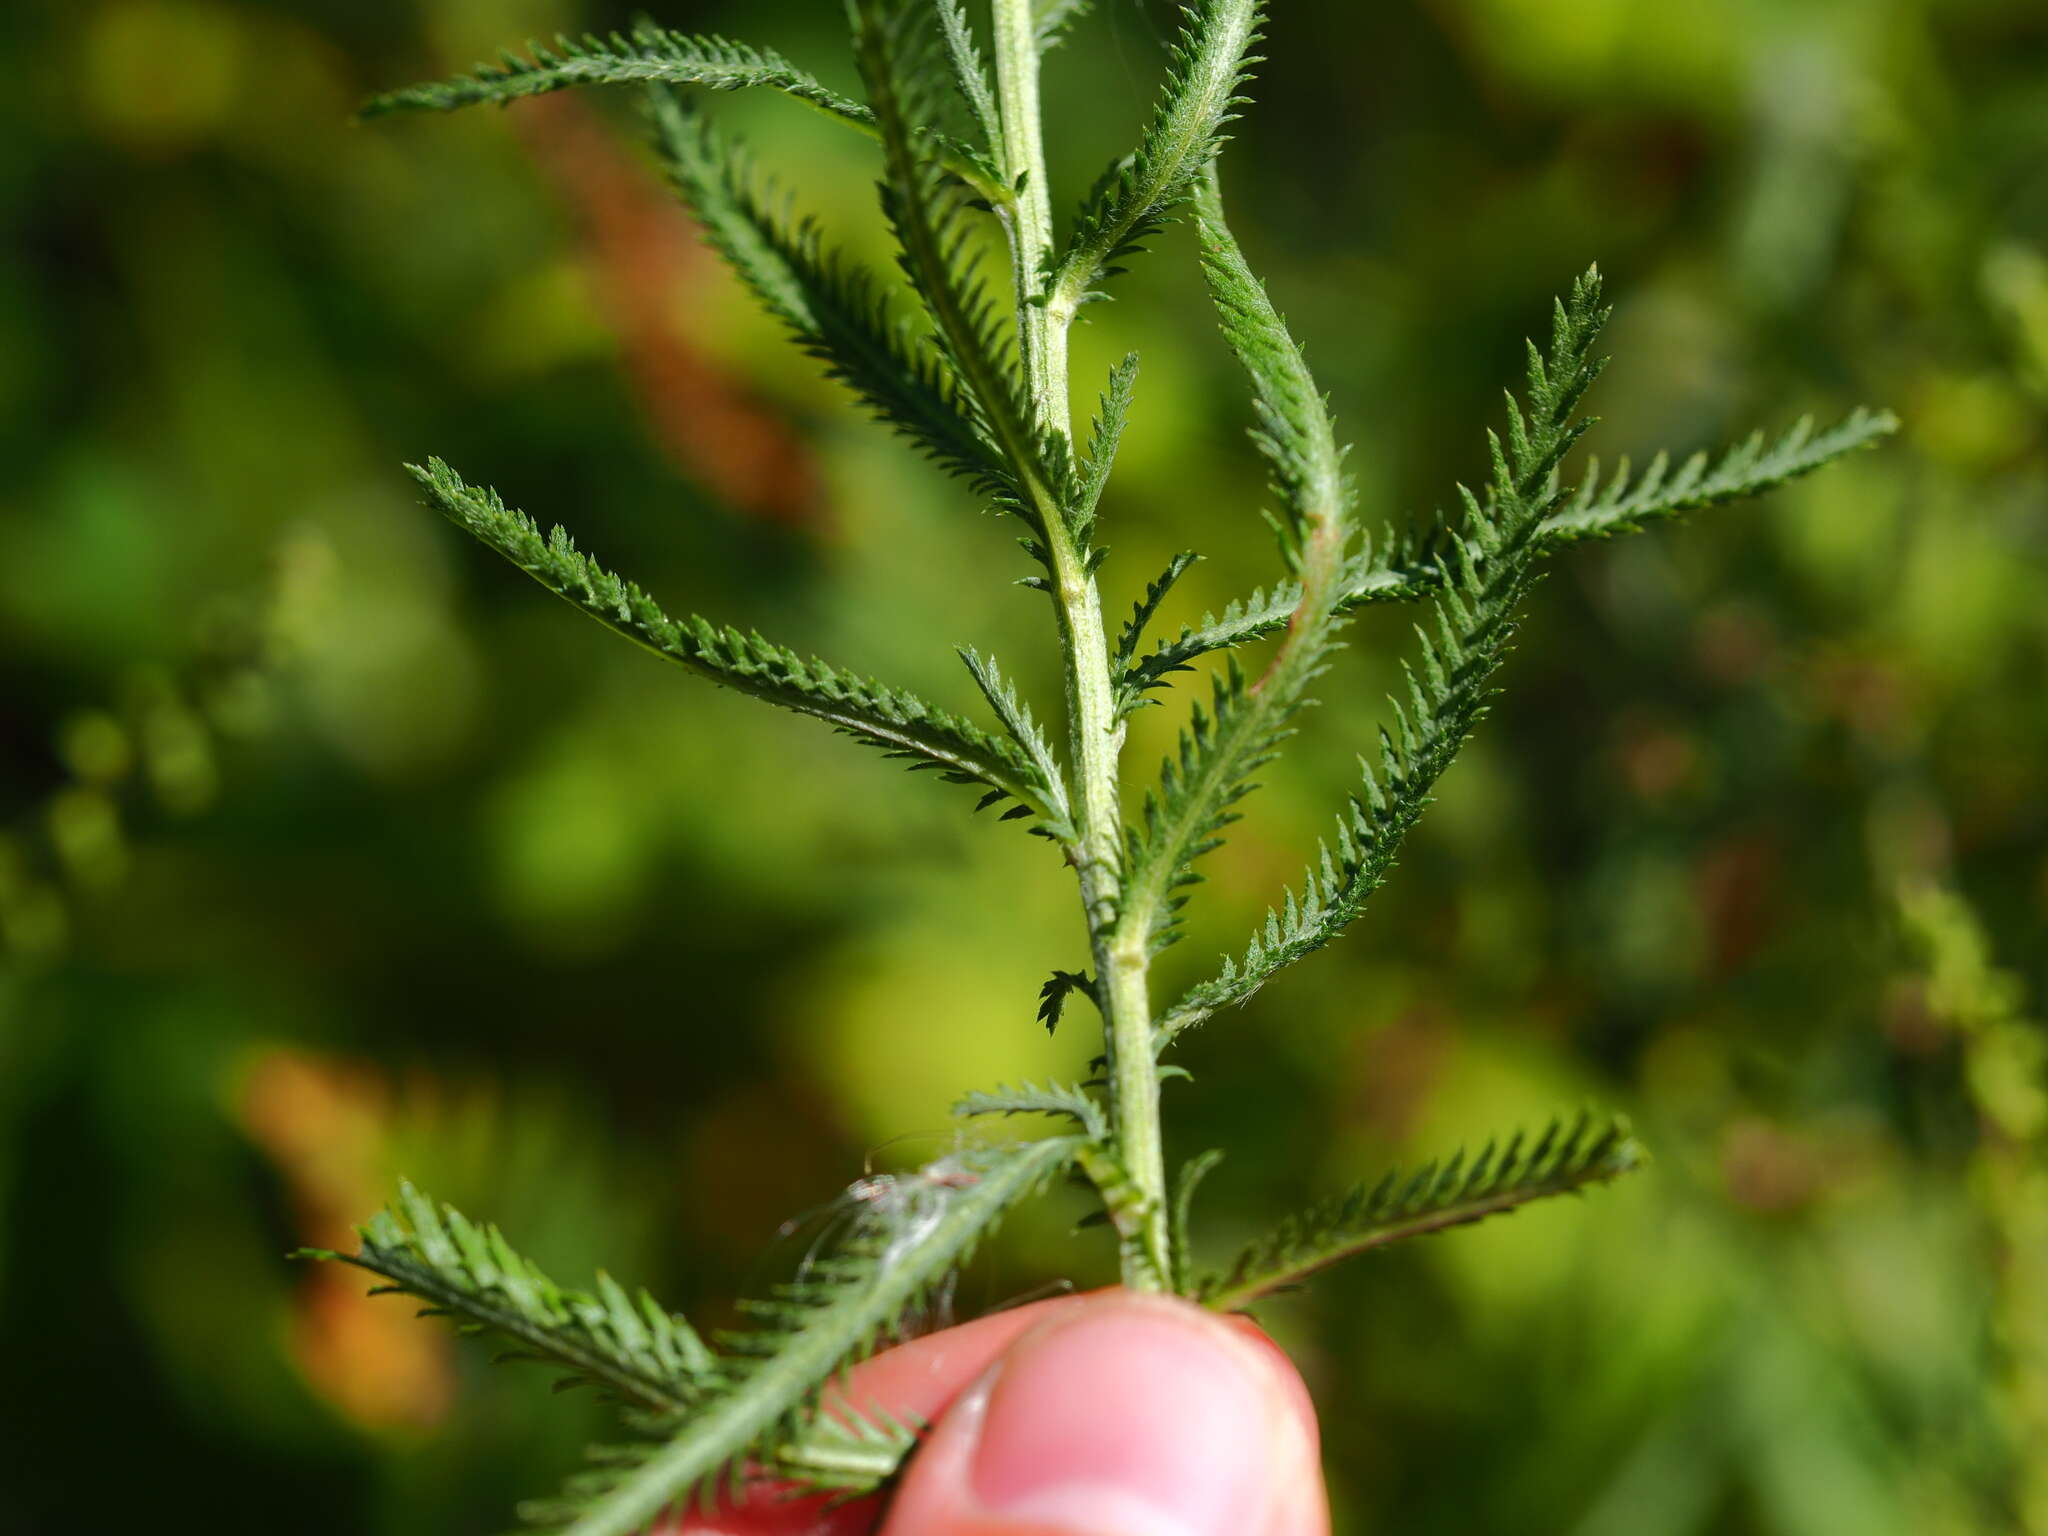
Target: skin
<point>1112,1414</point>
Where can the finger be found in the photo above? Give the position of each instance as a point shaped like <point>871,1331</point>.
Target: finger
<point>1125,1416</point>
<point>916,1381</point>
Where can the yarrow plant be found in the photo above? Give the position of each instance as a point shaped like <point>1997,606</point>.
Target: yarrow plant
<point>977,377</point>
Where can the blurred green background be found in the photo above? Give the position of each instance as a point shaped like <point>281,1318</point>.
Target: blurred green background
<point>335,850</point>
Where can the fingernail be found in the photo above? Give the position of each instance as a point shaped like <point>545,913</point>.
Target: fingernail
<point>1145,1418</point>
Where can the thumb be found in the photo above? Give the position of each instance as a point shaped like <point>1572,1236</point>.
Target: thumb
<point>1128,1416</point>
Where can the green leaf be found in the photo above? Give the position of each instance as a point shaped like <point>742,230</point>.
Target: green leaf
<point>970,78</point>
<point>1052,18</point>
<point>835,308</point>
<point>1437,1197</point>
<point>1102,445</point>
<point>1062,1099</point>
<point>647,54</point>
<point>1222,748</point>
<point>897,722</point>
<point>1294,434</point>
<point>1747,469</point>
<point>845,1453</point>
<point>1209,65</point>
<point>1405,570</point>
<point>1016,717</point>
<point>927,209</point>
<point>909,1235</point>
<point>1485,575</point>
<point>627,1345</point>
<point>1142,612</point>
<point>1395,571</point>
<point>1193,1171</point>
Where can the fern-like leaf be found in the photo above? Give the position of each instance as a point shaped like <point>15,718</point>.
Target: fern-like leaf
<point>848,1453</point>
<point>1193,1171</point>
<point>911,1234</point>
<point>1394,570</point>
<point>1062,1099</point>
<point>1750,468</point>
<point>897,722</point>
<point>627,1345</point>
<point>1142,613</point>
<point>1486,572</point>
<point>1051,19</point>
<point>630,1348</point>
<point>1208,67</point>
<point>1015,714</point>
<point>1404,569</point>
<point>970,78</point>
<point>1222,747</point>
<point>1103,441</point>
<point>1052,997</point>
<point>1435,1198</point>
<point>648,54</point>
<point>927,210</point>
<point>835,308</point>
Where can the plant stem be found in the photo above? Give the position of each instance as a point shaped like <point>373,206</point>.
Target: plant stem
<point>1097,734</point>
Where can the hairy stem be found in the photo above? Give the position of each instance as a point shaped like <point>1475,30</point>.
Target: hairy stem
<point>1029,211</point>
<point>1097,734</point>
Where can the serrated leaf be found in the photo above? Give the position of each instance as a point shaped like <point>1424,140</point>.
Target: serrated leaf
<point>1750,468</point>
<point>841,1308</point>
<point>835,308</point>
<point>646,55</point>
<point>1437,1197</point>
<point>897,722</point>
<point>1222,747</point>
<point>1408,566</point>
<point>626,1344</point>
<point>927,210</point>
<point>1051,20</point>
<point>1209,64</point>
<point>1062,1099</point>
<point>1487,571</point>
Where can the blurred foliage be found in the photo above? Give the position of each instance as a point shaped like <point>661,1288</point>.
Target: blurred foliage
<point>333,852</point>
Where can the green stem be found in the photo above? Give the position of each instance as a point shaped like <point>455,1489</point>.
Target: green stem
<point>1097,734</point>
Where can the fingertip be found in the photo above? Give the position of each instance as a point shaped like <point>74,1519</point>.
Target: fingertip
<point>1133,1416</point>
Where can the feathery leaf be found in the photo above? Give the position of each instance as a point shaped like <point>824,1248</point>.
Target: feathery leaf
<point>897,722</point>
<point>1209,64</point>
<point>1052,18</point>
<point>1397,571</point>
<point>848,1453</point>
<point>1747,469</point>
<point>1405,570</point>
<point>1141,615</point>
<point>1102,445</point>
<point>1192,1172</point>
<point>970,77</point>
<point>1015,715</point>
<point>1032,1099</point>
<point>647,54</point>
<point>1489,568</point>
<point>911,1233</point>
<point>926,208</point>
<point>1437,1197</point>
<point>835,308</point>
<point>1220,749</point>
<point>627,1345</point>
<point>1052,997</point>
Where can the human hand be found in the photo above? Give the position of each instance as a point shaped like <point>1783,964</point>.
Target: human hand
<point>1111,1414</point>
